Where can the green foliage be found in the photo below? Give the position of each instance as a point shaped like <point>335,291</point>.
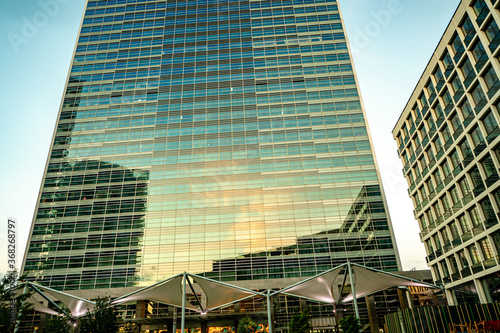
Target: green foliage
<point>59,323</point>
<point>350,324</point>
<point>9,296</point>
<point>300,323</point>
<point>246,325</point>
<point>102,320</point>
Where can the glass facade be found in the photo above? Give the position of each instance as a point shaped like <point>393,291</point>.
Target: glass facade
<point>223,138</point>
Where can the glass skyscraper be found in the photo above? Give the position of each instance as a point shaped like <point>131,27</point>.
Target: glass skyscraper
<point>223,138</point>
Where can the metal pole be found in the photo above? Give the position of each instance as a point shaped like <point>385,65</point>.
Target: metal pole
<point>353,290</point>
<point>174,328</point>
<point>183,318</point>
<point>269,314</point>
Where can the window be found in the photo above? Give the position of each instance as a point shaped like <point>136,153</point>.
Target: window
<point>465,148</point>
<point>474,255</point>
<point>491,30</point>
<point>490,78</point>
<point>464,263</point>
<point>456,85</point>
<point>464,224</point>
<point>489,166</point>
<point>437,241</point>
<point>423,223</point>
<point>488,211</point>
<point>477,136</point>
<point>438,75</point>
<point>456,44</point>
<point>446,133</point>
<point>478,6</point>
<point>430,185</point>
<point>467,67</point>
<point>467,27</point>
<point>423,100</point>
<point>447,61</point>
<point>456,123</point>
<point>477,51</point>
<point>455,159</point>
<point>430,88</point>
<point>489,122</point>
<point>464,186</point>
<point>446,169</point>
<point>439,111</point>
<point>477,94</point>
<point>455,234</point>
<point>474,216</point>
<point>438,144</point>
<point>486,249</point>
<point>446,97</point>
<point>455,196</point>
<point>465,108</point>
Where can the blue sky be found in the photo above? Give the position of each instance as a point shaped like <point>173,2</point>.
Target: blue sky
<point>392,41</point>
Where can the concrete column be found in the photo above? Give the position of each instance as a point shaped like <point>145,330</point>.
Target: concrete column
<point>450,297</point>
<point>480,291</point>
<point>303,304</point>
<point>403,300</point>
<point>409,297</point>
<point>236,323</point>
<point>41,323</point>
<point>372,314</point>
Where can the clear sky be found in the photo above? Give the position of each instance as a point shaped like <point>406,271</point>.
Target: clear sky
<point>391,40</point>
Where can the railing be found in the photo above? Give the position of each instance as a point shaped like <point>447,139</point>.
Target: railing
<point>436,319</point>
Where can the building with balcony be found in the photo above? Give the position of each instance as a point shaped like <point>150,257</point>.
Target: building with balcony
<point>448,139</point>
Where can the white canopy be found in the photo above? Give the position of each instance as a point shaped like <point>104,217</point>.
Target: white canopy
<point>369,281</point>
<point>320,287</point>
<point>76,305</point>
<point>217,294</point>
<point>327,286</point>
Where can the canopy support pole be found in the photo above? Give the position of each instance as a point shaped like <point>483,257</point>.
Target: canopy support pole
<point>269,313</point>
<point>183,318</point>
<point>353,290</point>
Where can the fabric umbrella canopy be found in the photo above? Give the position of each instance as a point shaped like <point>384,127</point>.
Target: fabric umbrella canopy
<point>218,294</point>
<point>37,306</point>
<point>368,281</point>
<point>76,305</point>
<point>323,287</point>
<point>168,292</point>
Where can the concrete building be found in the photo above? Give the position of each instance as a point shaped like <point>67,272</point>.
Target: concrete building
<point>449,144</point>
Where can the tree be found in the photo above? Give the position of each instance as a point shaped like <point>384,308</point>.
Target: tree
<point>300,323</point>
<point>13,305</point>
<point>246,325</point>
<point>102,320</point>
<point>350,324</point>
<point>59,323</point>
